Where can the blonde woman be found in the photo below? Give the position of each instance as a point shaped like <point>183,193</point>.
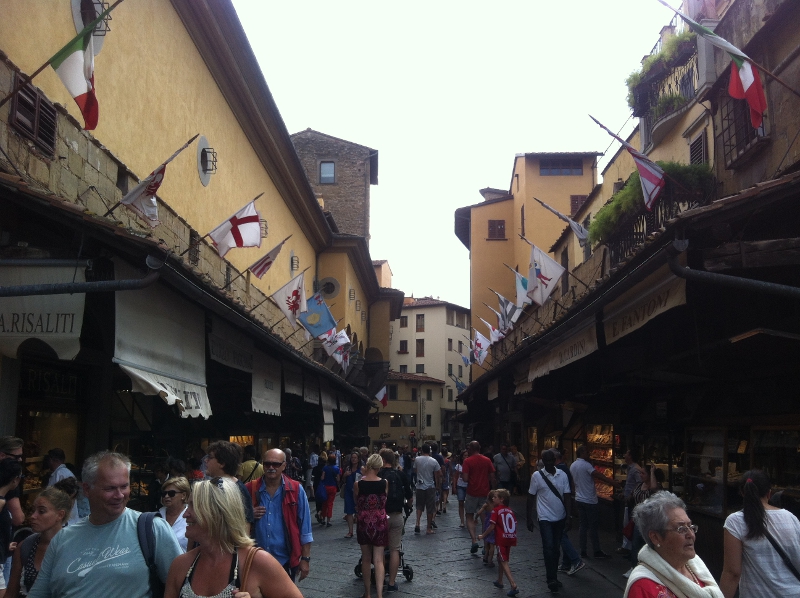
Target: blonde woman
<point>372,531</point>
<point>215,520</point>
<point>175,497</point>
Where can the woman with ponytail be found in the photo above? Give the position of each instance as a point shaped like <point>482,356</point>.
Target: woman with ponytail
<point>752,562</point>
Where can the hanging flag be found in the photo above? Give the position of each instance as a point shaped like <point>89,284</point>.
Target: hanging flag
<point>460,386</point>
<point>494,334</point>
<point>745,83</point>
<point>142,198</point>
<point>543,275</point>
<point>580,232</point>
<point>500,319</point>
<point>317,320</point>
<point>342,356</point>
<point>263,265</point>
<point>522,288</point>
<point>651,175</point>
<point>381,396</point>
<point>509,311</point>
<point>291,299</point>
<point>480,347</point>
<point>332,340</point>
<point>243,229</point>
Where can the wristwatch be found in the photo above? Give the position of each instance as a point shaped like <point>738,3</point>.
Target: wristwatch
<point>307,559</point>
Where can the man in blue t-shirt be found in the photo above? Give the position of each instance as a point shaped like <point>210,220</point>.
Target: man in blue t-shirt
<point>100,555</point>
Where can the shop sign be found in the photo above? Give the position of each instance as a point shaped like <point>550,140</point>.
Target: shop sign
<point>576,347</point>
<point>627,317</point>
<point>44,383</point>
<point>54,319</point>
<point>229,354</point>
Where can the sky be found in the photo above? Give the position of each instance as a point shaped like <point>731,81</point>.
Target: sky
<point>448,93</point>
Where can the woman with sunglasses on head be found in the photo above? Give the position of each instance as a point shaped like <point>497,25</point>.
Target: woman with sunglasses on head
<point>175,497</point>
<point>51,511</point>
<point>668,565</point>
<point>225,564</point>
<point>752,562</point>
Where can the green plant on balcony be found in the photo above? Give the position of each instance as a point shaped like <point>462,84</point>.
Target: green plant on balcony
<point>669,103</point>
<point>671,49</point>
<point>628,201</point>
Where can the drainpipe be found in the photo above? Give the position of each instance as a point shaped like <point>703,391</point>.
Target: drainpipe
<point>68,288</point>
<point>747,284</point>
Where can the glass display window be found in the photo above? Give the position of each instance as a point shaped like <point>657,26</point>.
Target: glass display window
<point>600,442</point>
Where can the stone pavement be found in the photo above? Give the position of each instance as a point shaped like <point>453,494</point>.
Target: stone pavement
<point>443,566</point>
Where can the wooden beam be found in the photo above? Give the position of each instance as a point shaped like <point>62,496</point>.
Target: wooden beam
<point>753,254</point>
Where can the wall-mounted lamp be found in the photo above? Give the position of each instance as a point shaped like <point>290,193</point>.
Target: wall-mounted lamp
<point>208,160</point>
<point>264,228</point>
<point>295,263</point>
<point>363,316</point>
<point>351,294</point>
<point>358,304</point>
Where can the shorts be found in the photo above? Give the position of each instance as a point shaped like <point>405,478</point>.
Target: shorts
<point>473,504</point>
<point>396,524</point>
<point>461,491</point>
<point>445,487</point>
<point>426,499</point>
<point>503,552</point>
<point>2,577</point>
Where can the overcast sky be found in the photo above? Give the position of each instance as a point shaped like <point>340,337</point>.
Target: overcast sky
<point>449,92</point>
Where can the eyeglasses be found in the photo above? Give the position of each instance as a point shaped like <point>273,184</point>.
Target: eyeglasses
<point>275,464</point>
<point>684,529</point>
<point>170,493</point>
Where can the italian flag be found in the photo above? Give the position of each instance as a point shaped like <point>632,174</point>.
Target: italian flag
<point>74,65</point>
<point>745,81</point>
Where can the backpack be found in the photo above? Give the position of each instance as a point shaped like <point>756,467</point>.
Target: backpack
<point>145,529</point>
<point>396,497</point>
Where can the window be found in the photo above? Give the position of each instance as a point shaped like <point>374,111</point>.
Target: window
<point>410,420</point>
<point>413,394</point>
<point>561,167</point>
<point>698,151</point>
<point>428,420</point>
<point>420,368</point>
<point>34,117</point>
<point>420,347</point>
<point>403,369</point>
<point>194,248</point>
<point>392,392</point>
<point>373,420</point>
<point>327,173</point>
<point>575,203</point>
<point>403,321</point>
<point>497,229</point>
<point>394,421</point>
<point>428,394</point>
<point>739,137</point>
<point>449,369</point>
<point>449,395</point>
<point>451,317</point>
<point>449,344</point>
<point>403,347</point>
<point>420,322</point>
<point>460,346</point>
<point>460,371</point>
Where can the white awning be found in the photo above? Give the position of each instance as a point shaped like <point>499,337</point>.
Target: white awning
<point>494,389</point>
<point>311,389</point>
<point>160,344</point>
<point>53,319</point>
<point>266,394</point>
<point>292,379</point>
<point>230,347</point>
<point>575,347</point>
<point>328,405</point>
<point>345,405</point>
<point>327,433</point>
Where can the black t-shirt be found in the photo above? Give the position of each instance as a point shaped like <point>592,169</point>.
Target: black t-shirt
<point>5,524</point>
<point>247,501</point>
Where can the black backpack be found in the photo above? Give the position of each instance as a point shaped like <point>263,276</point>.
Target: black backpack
<point>147,542</point>
<point>397,495</point>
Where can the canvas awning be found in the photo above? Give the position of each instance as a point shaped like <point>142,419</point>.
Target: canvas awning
<point>575,347</point>
<point>160,344</point>
<point>266,384</point>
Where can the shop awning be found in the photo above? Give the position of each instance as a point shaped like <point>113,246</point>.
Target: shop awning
<point>266,384</point>
<point>311,389</point>
<point>575,347</point>
<point>494,389</point>
<point>53,319</point>
<point>656,294</point>
<point>160,344</point>
<point>328,405</point>
<point>292,379</point>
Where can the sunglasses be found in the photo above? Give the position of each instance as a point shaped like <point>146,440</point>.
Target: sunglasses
<point>170,493</point>
<point>275,464</point>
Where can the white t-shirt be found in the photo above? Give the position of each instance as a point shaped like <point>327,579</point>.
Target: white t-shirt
<point>763,571</point>
<point>61,472</point>
<point>585,491</point>
<point>548,505</point>
<point>460,483</point>
<point>178,528</point>
<point>426,467</point>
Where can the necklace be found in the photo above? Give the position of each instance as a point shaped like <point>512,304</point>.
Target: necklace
<point>694,577</point>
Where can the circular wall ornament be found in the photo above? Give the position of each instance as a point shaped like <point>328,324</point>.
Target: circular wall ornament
<point>203,168</point>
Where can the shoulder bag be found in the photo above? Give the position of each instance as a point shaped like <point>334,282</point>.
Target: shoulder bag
<point>513,471</point>
<point>552,488</point>
<point>783,554</point>
<point>247,564</point>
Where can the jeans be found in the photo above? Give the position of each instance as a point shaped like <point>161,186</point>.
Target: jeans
<point>590,518</point>
<point>552,532</point>
<point>570,556</point>
<point>638,543</point>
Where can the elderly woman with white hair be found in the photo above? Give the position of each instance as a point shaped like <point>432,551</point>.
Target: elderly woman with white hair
<point>668,565</point>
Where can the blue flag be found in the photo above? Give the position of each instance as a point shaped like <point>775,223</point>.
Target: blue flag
<point>460,386</point>
<point>318,319</point>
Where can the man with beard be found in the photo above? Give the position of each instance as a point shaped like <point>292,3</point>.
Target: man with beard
<point>283,518</point>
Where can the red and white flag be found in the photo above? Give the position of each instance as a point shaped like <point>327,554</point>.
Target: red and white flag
<point>543,275</point>
<point>494,334</point>
<point>263,265</point>
<point>243,229</point>
<point>381,396</point>
<point>291,299</point>
<point>332,340</point>
<point>480,347</point>
<point>142,198</point>
<point>650,174</point>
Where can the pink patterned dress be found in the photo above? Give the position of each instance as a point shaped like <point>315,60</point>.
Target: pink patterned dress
<point>373,526</point>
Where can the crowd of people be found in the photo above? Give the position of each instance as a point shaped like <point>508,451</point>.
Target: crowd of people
<point>240,527</point>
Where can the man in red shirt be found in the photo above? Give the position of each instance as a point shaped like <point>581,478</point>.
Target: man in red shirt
<point>478,473</point>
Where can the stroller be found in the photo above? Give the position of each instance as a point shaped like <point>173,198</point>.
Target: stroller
<point>407,570</point>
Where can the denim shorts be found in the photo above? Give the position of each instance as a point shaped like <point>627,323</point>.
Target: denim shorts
<point>462,493</point>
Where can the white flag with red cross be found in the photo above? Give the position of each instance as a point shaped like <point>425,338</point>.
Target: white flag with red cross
<point>291,299</point>
<point>243,229</point>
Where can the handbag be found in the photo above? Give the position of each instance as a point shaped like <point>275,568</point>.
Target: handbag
<point>783,554</point>
<point>513,471</point>
<point>246,569</point>
<point>627,531</point>
<point>321,493</point>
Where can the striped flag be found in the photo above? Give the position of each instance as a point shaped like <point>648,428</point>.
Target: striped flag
<point>263,265</point>
<point>745,83</point>
<point>650,174</point>
<point>494,334</point>
<point>381,396</point>
<point>521,284</point>
<point>580,232</point>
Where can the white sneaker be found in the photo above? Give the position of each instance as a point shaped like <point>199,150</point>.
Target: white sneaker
<point>627,573</point>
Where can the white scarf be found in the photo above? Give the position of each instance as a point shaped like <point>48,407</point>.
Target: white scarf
<point>652,566</point>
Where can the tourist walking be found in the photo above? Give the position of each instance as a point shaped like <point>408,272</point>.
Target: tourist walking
<point>429,477</point>
<point>478,472</point>
<point>373,529</point>
<point>175,498</point>
<point>352,472</point>
<point>330,479</point>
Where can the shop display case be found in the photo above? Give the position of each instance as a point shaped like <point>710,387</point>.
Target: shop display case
<point>600,442</point>
<point>777,451</point>
<point>533,448</point>
<point>715,459</point>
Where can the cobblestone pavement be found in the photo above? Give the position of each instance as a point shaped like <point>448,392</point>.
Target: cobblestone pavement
<point>443,566</point>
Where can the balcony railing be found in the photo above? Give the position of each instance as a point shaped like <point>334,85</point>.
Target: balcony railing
<point>668,95</point>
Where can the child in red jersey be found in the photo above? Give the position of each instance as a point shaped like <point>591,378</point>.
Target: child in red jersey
<point>503,523</point>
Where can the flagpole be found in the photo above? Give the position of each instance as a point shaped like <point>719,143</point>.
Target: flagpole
<point>276,303</point>
<point>276,323</point>
<point>316,338</point>
<point>84,31</point>
<point>254,263</point>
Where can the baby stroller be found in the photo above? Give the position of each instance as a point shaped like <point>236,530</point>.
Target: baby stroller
<point>407,570</point>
